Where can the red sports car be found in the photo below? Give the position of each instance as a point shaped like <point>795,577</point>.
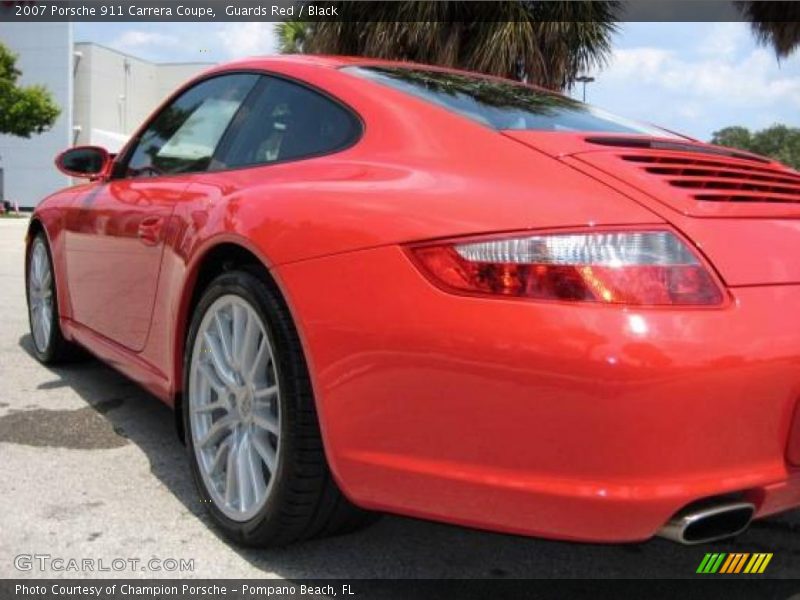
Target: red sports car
<point>373,286</point>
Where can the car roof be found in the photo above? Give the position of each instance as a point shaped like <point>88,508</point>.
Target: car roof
<point>321,60</point>
<point>326,61</point>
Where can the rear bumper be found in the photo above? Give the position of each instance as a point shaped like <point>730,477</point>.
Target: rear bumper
<point>567,510</point>
<point>575,422</point>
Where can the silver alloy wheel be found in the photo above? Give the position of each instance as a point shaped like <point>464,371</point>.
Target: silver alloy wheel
<point>40,295</point>
<point>234,408</point>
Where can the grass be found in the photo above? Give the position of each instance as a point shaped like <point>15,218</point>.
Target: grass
<point>15,216</point>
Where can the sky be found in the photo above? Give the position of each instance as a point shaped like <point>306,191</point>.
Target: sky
<point>693,78</point>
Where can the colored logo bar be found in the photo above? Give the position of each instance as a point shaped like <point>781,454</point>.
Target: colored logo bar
<point>734,563</point>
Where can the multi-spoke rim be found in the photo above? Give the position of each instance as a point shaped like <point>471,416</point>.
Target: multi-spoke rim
<point>40,295</point>
<point>234,407</point>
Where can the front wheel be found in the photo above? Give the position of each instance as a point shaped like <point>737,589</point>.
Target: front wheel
<point>49,344</point>
<point>252,433</point>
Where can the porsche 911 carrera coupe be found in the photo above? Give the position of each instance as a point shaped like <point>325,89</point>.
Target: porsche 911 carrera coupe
<point>368,286</point>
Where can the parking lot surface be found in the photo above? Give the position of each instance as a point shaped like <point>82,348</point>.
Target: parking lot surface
<point>92,469</point>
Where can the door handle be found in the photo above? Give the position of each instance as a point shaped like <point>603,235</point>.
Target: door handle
<point>150,230</point>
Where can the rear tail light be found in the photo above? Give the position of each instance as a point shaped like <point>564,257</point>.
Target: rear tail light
<point>613,267</point>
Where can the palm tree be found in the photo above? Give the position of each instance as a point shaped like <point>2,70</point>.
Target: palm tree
<point>775,24</point>
<point>292,36</point>
<point>545,43</point>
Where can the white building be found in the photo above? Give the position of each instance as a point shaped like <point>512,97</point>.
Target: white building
<point>104,96</point>
<point>114,92</point>
<point>27,173</point>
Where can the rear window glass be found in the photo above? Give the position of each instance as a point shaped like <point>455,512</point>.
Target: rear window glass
<point>503,105</point>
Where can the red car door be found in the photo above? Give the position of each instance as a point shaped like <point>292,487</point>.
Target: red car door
<point>115,233</point>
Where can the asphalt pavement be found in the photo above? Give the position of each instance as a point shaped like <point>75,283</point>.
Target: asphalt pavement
<point>91,468</point>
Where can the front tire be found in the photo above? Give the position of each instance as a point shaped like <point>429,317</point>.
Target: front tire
<point>253,437</point>
<point>49,345</point>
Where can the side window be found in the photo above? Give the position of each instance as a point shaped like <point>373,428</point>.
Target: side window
<point>184,135</point>
<point>287,121</point>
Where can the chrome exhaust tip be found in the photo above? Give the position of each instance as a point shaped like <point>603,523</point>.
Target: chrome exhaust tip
<point>710,523</point>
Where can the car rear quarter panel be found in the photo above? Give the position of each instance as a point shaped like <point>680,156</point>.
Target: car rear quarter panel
<point>580,421</point>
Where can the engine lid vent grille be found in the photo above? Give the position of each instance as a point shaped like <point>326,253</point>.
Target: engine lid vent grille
<point>721,179</point>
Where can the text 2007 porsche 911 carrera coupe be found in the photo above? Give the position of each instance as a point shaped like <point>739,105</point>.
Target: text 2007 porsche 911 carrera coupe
<point>372,286</point>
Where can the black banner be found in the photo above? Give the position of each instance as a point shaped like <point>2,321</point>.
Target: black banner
<point>344,10</point>
<point>406,589</point>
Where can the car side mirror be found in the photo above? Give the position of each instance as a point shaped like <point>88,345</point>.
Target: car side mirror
<point>83,161</point>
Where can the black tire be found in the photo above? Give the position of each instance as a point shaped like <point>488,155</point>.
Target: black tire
<point>304,501</point>
<point>56,349</point>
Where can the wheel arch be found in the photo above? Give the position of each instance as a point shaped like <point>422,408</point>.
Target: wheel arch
<point>35,227</point>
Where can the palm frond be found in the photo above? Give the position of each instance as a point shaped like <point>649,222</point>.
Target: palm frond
<point>775,24</point>
<point>291,36</point>
<point>547,43</point>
